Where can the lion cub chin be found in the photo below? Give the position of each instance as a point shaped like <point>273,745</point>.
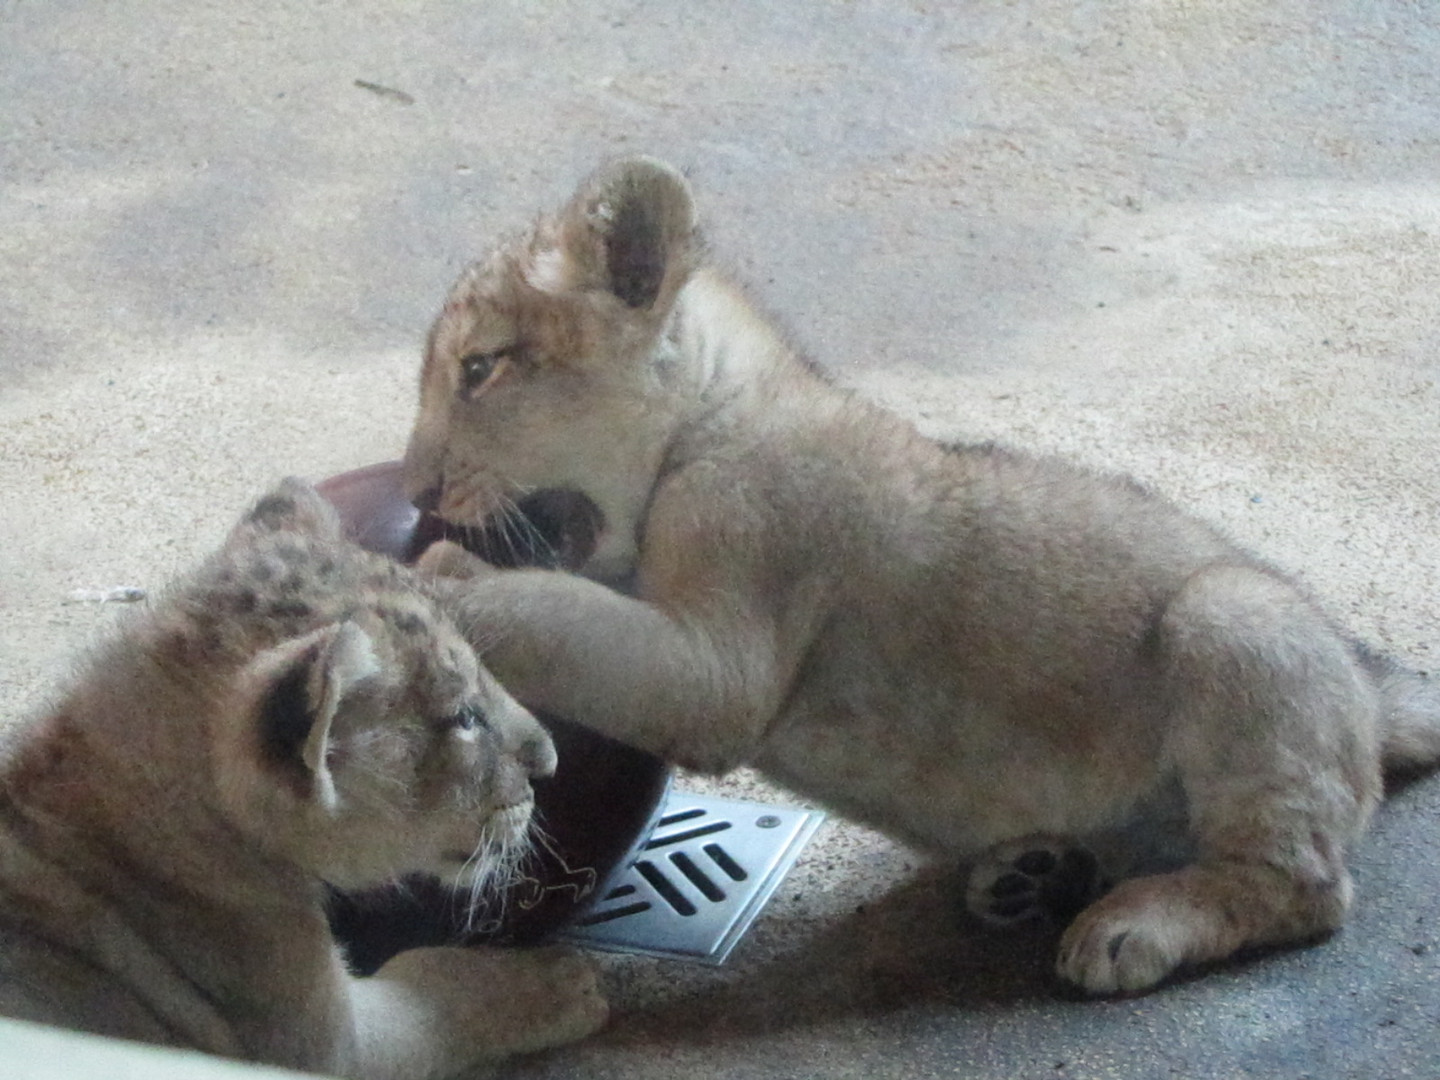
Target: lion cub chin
<point>976,649</point>
<point>296,712</point>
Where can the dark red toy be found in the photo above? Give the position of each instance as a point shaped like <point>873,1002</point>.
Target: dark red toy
<point>595,811</point>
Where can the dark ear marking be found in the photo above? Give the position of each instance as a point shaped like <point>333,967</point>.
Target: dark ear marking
<point>632,231</point>
<point>287,714</point>
<point>635,255</point>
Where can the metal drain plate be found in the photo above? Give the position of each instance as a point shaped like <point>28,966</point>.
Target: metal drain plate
<point>697,884</point>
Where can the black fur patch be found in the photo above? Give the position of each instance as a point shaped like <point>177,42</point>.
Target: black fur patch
<point>273,511</point>
<point>290,609</point>
<point>407,622</point>
<point>286,717</point>
<point>634,255</point>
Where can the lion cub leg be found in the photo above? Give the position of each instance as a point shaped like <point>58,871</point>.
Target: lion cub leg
<point>1273,737</point>
<point>430,1013</point>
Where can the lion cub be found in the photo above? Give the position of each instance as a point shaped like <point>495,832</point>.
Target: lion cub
<point>971,648</point>
<point>296,712</point>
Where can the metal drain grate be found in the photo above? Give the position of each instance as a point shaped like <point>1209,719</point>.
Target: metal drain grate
<point>708,868</point>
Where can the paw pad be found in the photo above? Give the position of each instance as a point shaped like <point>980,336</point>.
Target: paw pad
<point>1049,883</point>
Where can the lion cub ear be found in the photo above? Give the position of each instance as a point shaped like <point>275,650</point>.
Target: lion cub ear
<point>307,684</point>
<point>629,230</point>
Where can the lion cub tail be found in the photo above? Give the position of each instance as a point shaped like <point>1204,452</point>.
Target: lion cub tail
<point>1410,715</point>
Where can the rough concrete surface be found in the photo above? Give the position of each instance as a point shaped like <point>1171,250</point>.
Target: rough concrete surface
<point>1196,240</point>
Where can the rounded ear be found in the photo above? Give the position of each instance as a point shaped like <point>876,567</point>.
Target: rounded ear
<point>304,686</point>
<point>630,230</point>
<point>292,506</point>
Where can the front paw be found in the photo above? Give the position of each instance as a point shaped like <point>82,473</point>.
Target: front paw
<point>1122,945</point>
<point>561,994</point>
<point>499,1001</point>
<point>447,559</point>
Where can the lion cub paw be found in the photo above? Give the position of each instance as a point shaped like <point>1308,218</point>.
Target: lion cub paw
<point>1033,879</point>
<point>447,559</point>
<point>560,990</point>
<point>1124,943</point>
<point>506,1001</point>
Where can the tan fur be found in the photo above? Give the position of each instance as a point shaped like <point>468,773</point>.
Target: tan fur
<point>296,712</point>
<point>962,645</point>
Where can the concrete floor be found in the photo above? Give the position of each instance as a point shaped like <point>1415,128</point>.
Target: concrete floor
<point>1196,241</point>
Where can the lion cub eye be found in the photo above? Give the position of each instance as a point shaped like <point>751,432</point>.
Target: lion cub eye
<point>468,719</point>
<point>478,368</point>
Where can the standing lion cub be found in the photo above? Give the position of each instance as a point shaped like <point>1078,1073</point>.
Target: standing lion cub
<point>974,649</point>
<point>296,712</point>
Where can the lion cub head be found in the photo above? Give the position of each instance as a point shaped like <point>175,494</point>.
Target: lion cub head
<point>351,729</point>
<point>549,368</point>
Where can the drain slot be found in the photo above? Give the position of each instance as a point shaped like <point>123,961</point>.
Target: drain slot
<point>696,877</point>
<point>662,885</point>
<point>731,869</point>
<point>696,900</point>
<point>688,835</point>
<point>683,815</point>
<point>614,913</point>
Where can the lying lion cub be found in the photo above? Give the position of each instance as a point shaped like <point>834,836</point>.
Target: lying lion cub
<point>296,712</point>
<point>972,648</point>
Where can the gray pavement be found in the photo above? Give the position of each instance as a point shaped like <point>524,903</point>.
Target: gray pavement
<point>1196,240</point>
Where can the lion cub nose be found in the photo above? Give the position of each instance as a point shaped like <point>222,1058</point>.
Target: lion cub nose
<point>522,737</point>
<point>537,755</point>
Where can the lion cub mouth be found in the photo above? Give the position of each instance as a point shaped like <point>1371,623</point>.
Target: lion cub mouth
<point>506,826</point>
<point>555,529</point>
